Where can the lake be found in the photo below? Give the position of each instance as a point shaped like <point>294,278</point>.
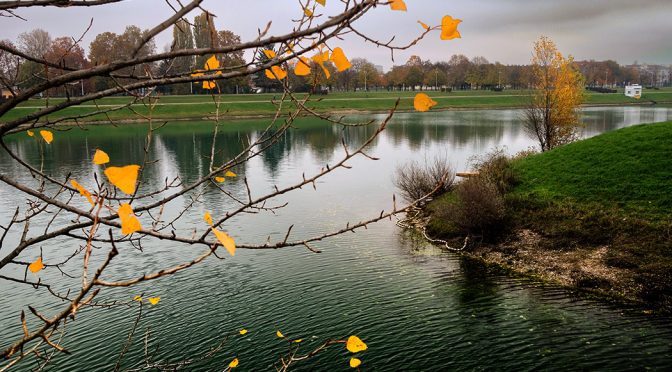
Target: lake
<point>416,306</point>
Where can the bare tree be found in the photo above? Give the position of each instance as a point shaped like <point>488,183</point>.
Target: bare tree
<point>58,208</point>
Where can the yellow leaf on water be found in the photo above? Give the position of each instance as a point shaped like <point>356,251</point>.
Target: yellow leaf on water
<point>123,178</point>
<point>100,157</point>
<point>302,67</point>
<point>137,298</point>
<point>226,241</point>
<point>321,2</point>
<point>398,5</point>
<point>424,25</point>
<point>340,60</point>
<point>449,28</point>
<point>234,363</point>
<point>47,135</point>
<point>85,193</point>
<point>279,334</point>
<point>129,223</point>
<point>242,331</point>
<point>220,179</point>
<point>154,300</point>
<point>230,174</point>
<point>355,345</point>
<point>30,133</point>
<point>36,266</point>
<point>354,362</point>
<point>276,73</point>
<point>208,218</point>
<point>423,103</point>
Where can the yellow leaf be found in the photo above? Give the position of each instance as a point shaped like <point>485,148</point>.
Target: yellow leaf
<point>36,266</point>
<point>307,12</point>
<point>85,193</point>
<point>424,25</point>
<point>355,345</point>
<point>154,300</point>
<point>299,340</point>
<point>234,363</point>
<point>279,334</point>
<point>208,218</point>
<point>47,135</point>
<point>398,5</point>
<point>354,362</point>
<point>276,73</point>
<point>449,28</point>
<point>423,103</point>
<point>220,179</point>
<point>209,84</point>
<point>226,241</point>
<point>321,2</point>
<point>30,133</point>
<point>123,177</point>
<point>100,157</point>
<point>197,74</point>
<point>129,223</point>
<point>243,331</point>
<point>302,67</point>
<point>137,298</point>
<point>212,63</point>
<point>230,174</point>
<point>320,58</point>
<point>340,60</point>
<point>270,54</point>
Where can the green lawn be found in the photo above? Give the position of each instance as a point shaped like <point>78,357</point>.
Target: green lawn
<point>194,107</point>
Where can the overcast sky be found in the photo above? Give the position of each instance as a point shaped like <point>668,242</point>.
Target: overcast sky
<point>500,30</point>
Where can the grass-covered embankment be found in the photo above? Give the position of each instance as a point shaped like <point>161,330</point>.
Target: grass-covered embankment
<point>250,105</point>
<point>595,214</point>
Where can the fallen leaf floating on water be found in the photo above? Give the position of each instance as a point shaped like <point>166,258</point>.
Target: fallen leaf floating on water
<point>47,135</point>
<point>449,28</point>
<point>423,103</point>
<point>302,67</point>
<point>84,192</point>
<point>234,363</point>
<point>243,331</point>
<point>230,174</point>
<point>226,241</point>
<point>354,362</point>
<point>355,344</point>
<point>398,5</point>
<point>220,179</point>
<point>36,266</point>
<point>30,133</point>
<point>100,157</point>
<point>124,178</point>
<point>424,25</point>
<point>129,223</point>
<point>154,300</point>
<point>340,60</point>
<point>279,334</point>
<point>208,218</point>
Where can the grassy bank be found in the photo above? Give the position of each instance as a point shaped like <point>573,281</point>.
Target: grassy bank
<point>595,214</point>
<point>194,107</point>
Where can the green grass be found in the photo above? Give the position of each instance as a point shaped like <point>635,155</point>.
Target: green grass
<point>629,169</point>
<point>193,107</point>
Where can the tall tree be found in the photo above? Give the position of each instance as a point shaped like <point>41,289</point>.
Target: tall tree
<point>35,43</point>
<point>552,116</point>
<point>182,39</point>
<point>9,68</point>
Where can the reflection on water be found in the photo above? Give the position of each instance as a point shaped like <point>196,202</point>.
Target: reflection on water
<point>417,307</point>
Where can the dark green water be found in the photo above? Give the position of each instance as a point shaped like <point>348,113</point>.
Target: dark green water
<point>417,307</point>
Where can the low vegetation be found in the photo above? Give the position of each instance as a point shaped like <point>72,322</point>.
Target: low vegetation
<point>416,181</point>
<point>595,214</point>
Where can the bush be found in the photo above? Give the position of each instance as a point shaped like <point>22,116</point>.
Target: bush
<point>416,180</point>
<point>478,208</point>
<point>495,167</point>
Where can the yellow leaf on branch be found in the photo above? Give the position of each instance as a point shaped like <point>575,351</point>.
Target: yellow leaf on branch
<point>230,174</point>
<point>220,179</point>
<point>423,103</point>
<point>129,222</point>
<point>100,157</point>
<point>398,5</point>
<point>302,67</point>
<point>36,266</point>
<point>275,73</point>
<point>321,2</point>
<point>340,60</point>
<point>449,28</point>
<point>124,178</point>
<point>208,218</point>
<point>84,192</point>
<point>355,344</point>
<point>307,12</point>
<point>234,363</point>
<point>226,241</point>
<point>270,54</point>
<point>30,133</point>
<point>424,25</point>
<point>279,334</point>
<point>47,136</point>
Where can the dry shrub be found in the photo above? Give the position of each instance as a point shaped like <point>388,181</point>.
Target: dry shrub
<point>495,167</point>
<point>478,208</point>
<point>416,180</point>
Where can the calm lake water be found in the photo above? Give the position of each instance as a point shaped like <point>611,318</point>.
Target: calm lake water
<point>416,306</point>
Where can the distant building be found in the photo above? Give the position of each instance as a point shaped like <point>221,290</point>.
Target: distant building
<point>634,91</point>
